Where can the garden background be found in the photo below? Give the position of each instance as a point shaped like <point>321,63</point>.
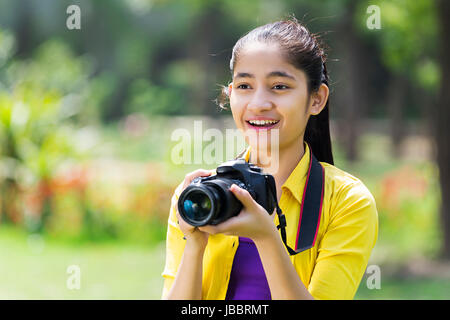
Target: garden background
<point>87,117</point>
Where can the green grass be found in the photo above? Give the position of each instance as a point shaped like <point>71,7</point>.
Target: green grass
<point>31,268</point>
<point>408,289</point>
<point>34,268</point>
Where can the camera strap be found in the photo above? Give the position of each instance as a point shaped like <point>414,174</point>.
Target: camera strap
<point>310,210</point>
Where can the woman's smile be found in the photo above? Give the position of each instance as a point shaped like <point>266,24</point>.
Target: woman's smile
<point>261,123</point>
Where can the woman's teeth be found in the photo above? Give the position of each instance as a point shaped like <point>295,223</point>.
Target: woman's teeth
<point>262,123</point>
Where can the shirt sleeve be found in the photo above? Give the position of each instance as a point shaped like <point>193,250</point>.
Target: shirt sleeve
<point>345,248</point>
<point>174,244</point>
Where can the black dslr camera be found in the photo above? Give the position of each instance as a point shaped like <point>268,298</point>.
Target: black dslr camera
<point>207,200</point>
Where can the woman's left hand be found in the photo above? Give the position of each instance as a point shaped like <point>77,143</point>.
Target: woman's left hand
<point>252,222</point>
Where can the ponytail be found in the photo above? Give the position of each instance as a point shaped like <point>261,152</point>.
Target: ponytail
<point>317,133</point>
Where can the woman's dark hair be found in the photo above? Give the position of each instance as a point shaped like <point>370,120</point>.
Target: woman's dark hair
<point>303,50</point>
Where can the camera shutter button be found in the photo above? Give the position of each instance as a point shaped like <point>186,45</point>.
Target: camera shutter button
<point>255,169</point>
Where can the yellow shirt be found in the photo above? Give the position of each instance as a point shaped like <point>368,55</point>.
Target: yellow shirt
<point>332,269</point>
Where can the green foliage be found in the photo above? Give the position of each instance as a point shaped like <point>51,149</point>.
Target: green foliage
<point>38,102</point>
<point>46,103</point>
<point>153,99</point>
<point>407,38</point>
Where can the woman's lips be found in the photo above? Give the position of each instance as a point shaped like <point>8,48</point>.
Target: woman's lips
<point>261,127</point>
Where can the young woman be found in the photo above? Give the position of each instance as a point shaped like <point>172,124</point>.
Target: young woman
<point>280,82</point>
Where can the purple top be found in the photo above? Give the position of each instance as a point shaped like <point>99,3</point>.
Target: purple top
<point>247,280</point>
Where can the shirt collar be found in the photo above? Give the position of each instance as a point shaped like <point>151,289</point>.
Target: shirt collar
<point>296,180</point>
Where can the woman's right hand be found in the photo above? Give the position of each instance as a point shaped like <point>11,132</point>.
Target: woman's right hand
<point>193,235</point>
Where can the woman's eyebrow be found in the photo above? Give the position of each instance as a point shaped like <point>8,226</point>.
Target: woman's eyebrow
<point>270,75</point>
<point>244,75</point>
<point>280,74</point>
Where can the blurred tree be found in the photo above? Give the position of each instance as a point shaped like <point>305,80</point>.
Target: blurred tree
<point>24,34</point>
<point>205,28</point>
<point>407,46</point>
<point>441,120</point>
<point>354,63</point>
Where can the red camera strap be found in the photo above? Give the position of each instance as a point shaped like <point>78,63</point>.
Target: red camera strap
<point>311,206</point>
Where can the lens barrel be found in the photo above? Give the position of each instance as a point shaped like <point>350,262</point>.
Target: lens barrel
<point>208,203</point>
<point>198,204</point>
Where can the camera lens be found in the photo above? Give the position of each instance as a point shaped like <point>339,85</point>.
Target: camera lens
<point>208,203</point>
<point>197,206</point>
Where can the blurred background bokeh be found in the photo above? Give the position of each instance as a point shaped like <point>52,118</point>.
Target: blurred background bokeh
<point>87,117</point>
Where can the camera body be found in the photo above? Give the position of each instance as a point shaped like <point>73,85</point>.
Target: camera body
<point>207,200</point>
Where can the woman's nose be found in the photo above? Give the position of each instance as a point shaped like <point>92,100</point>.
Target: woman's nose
<point>259,102</point>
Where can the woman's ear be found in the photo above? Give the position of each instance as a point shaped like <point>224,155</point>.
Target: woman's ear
<point>230,87</point>
<point>319,99</point>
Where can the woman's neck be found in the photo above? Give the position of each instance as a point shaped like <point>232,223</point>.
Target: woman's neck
<point>287,158</point>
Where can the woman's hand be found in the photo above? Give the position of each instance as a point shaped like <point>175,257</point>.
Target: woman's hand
<point>193,235</point>
<point>252,222</point>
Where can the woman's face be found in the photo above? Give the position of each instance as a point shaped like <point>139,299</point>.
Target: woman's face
<point>268,93</point>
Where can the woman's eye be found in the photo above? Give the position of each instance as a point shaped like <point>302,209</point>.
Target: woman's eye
<point>281,87</point>
<point>277,87</point>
